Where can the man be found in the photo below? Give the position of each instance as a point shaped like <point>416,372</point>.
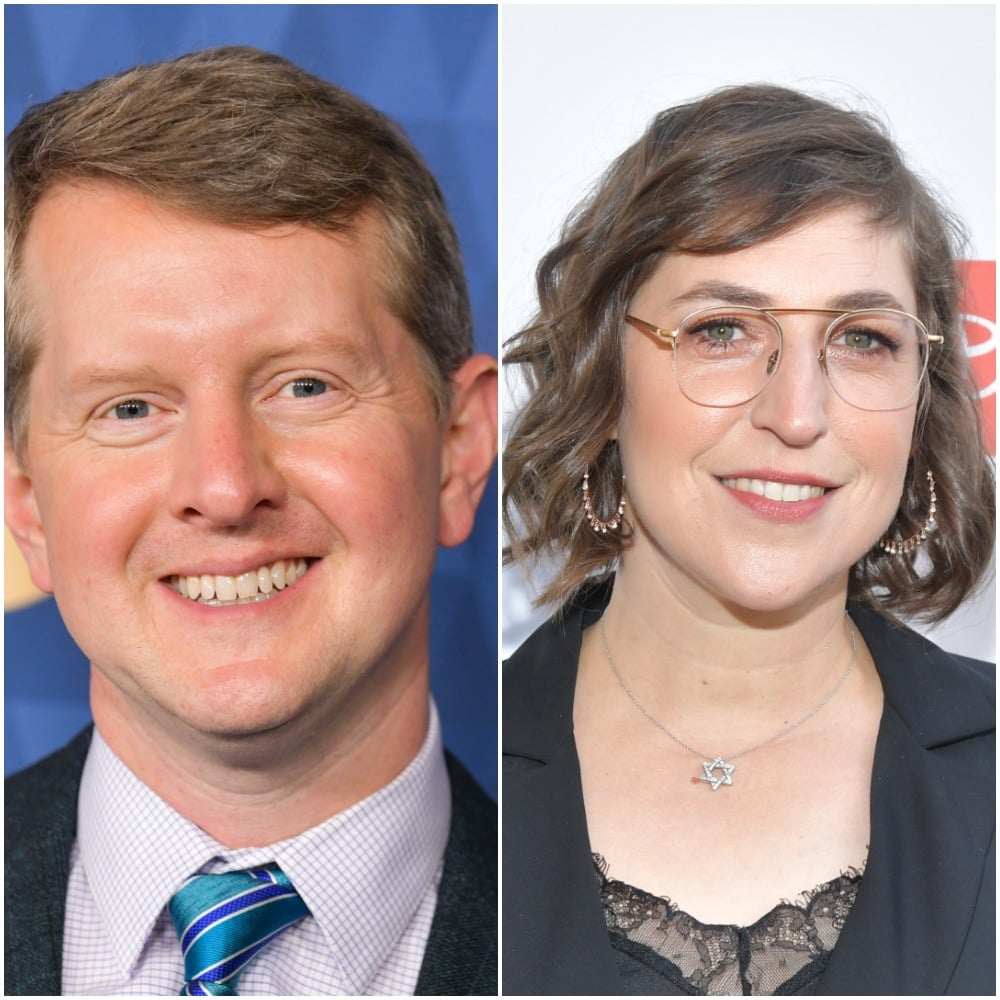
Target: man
<point>241,413</point>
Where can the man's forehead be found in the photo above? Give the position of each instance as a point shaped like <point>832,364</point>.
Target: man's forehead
<point>361,227</point>
<point>103,251</point>
<point>80,230</point>
<point>106,267</point>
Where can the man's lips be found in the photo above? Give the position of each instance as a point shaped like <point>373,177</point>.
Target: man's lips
<point>258,584</point>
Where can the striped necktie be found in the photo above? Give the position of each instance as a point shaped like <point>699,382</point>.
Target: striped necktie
<point>223,921</point>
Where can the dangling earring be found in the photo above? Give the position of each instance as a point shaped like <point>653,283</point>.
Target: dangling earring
<point>901,546</point>
<point>588,508</point>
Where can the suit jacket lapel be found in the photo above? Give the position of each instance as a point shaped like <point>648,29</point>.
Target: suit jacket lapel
<point>461,954</point>
<point>40,809</point>
<point>33,949</point>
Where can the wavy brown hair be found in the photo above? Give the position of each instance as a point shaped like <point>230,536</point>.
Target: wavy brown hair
<point>731,170</point>
<point>247,139</point>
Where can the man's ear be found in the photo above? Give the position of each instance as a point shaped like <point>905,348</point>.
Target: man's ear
<point>21,514</point>
<point>469,447</point>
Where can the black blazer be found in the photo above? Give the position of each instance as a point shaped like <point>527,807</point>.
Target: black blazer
<point>923,920</point>
<point>40,807</point>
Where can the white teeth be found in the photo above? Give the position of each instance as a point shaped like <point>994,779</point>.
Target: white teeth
<point>785,492</point>
<point>256,585</point>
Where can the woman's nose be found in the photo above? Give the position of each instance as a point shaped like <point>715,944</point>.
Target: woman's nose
<point>793,404</point>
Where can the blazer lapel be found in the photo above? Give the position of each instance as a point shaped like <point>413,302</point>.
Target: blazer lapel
<point>931,825</point>
<point>555,938</point>
<point>557,942</point>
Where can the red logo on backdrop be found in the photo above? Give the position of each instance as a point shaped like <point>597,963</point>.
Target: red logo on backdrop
<point>979,318</point>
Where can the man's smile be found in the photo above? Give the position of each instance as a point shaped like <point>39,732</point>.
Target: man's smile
<point>217,590</point>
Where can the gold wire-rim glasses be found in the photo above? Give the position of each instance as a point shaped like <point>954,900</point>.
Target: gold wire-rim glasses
<point>839,315</point>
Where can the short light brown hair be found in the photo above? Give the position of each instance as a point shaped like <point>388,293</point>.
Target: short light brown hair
<point>247,139</point>
<point>728,171</point>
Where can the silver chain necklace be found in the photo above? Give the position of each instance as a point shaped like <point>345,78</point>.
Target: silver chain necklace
<point>724,766</point>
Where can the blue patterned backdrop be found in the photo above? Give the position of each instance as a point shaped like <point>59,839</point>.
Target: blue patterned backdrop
<point>433,69</point>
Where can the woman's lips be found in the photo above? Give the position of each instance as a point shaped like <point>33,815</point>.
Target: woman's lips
<point>772,490</point>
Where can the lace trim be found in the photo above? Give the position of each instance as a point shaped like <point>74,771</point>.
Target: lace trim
<point>787,947</point>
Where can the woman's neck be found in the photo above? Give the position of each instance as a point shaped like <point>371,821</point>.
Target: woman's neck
<point>714,664</point>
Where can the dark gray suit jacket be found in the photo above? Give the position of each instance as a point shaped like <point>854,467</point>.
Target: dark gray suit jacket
<point>923,921</point>
<point>40,807</point>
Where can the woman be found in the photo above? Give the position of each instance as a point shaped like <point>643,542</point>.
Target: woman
<point>728,768</point>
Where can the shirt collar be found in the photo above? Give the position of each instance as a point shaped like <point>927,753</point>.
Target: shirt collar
<point>362,873</point>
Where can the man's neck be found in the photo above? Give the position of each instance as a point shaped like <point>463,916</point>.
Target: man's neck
<point>260,788</point>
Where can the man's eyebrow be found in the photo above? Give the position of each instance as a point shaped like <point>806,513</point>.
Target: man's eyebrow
<point>353,348</point>
<point>743,295</point>
<point>89,378</point>
<point>349,348</point>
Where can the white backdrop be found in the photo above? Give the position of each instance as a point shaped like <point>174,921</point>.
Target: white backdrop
<point>580,83</point>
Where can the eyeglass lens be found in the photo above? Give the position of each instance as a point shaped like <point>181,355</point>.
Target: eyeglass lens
<point>874,359</point>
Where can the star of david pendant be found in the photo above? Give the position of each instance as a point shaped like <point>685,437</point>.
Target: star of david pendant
<point>708,766</point>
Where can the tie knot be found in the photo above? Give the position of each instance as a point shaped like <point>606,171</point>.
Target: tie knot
<point>223,921</point>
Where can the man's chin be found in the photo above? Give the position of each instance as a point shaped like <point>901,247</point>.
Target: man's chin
<point>243,724</point>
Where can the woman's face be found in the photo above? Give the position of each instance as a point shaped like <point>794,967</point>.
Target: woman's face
<point>692,470</point>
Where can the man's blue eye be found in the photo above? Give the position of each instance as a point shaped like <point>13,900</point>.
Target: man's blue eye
<point>132,409</point>
<point>305,387</point>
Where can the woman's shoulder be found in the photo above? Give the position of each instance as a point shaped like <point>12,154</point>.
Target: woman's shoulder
<point>943,696</point>
<point>556,642</point>
<point>916,648</point>
<point>539,678</point>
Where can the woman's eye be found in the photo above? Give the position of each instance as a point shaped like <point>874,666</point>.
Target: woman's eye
<point>304,388</point>
<point>131,409</point>
<point>861,340</point>
<point>722,331</point>
<point>719,331</point>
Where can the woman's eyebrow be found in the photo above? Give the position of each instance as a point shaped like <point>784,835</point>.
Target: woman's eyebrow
<point>723,291</point>
<point>743,295</point>
<point>866,298</point>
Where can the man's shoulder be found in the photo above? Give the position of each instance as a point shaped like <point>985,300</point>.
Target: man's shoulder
<point>44,795</point>
<point>461,955</point>
<point>474,810</point>
<point>471,856</point>
<point>40,825</point>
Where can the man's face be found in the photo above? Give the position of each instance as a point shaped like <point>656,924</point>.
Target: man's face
<point>213,408</point>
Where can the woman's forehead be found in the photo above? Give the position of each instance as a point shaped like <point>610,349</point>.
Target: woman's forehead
<point>836,260</point>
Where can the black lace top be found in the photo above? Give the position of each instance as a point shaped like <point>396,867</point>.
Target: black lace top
<point>662,949</point>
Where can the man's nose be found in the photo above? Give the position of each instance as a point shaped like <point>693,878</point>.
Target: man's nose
<point>793,404</point>
<point>225,468</point>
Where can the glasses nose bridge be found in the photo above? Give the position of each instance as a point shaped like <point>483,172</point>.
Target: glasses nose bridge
<point>773,315</point>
